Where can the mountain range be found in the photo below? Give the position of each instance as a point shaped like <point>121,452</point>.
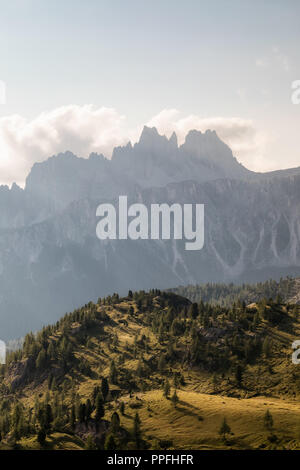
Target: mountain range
<point>51,260</point>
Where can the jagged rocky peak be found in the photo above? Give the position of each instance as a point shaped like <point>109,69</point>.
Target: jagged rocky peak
<point>96,157</point>
<point>66,154</point>
<point>173,140</point>
<point>4,188</point>
<point>14,189</point>
<point>151,138</point>
<point>206,145</point>
<point>40,168</point>
<point>121,150</point>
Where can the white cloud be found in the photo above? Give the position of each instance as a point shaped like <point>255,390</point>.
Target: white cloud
<point>86,129</point>
<point>80,129</point>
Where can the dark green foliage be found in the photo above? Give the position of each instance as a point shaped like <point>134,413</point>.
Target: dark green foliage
<point>90,443</point>
<point>267,347</point>
<point>268,421</point>
<point>73,417</point>
<point>45,417</point>
<point>239,374</point>
<point>167,389</point>
<point>113,373</point>
<point>174,399</point>
<point>227,294</point>
<point>172,336</point>
<point>193,311</point>
<point>109,442</point>
<point>99,408</point>
<point>137,429</point>
<point>115,423</point>
<point>88,409</point>
<point>224,429</point>
<point>41,437</point>
<point>104,388</point>
<point>122,408</point>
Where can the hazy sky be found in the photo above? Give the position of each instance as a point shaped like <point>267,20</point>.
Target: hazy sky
<point>87,74</point>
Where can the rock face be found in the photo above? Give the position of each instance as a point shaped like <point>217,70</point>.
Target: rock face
<point>97,431</point>
<point>51,260</point>
<point>295,295</point>
<point>19,373</point>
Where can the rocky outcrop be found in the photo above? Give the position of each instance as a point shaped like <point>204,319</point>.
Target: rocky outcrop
<point>18,372</point>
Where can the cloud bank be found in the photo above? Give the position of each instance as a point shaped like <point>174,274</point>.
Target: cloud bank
<point>86,129</point>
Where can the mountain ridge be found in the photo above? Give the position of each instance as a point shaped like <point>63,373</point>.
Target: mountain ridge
<point>48,244</point>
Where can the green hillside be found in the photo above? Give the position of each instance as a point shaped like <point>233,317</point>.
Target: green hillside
<point>155,371</point>
<point>226,294</point>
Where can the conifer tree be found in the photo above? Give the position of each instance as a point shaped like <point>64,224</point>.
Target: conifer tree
<point>115,422</point>
<point>122,408</point>
<point>99,408</point>
<point>239,374</point>
<point>175,399</point>
<point>166,389</point>
<point>88,409</point>
<point>109,442</point>
<point>224,429</point>
<point>113,374</point>
<point>137,429</point>
<point>104,388</point>
<point>73,417</point>
<point>268,421</point>
<point>90,443</point>
<point>41,437</point>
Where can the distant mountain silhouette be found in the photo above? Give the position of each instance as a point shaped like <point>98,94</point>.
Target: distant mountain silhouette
<point>51,260</point>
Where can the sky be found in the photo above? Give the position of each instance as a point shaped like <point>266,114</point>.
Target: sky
<point>87,75</point>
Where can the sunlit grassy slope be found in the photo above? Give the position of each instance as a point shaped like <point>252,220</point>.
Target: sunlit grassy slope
<point>205,399</point>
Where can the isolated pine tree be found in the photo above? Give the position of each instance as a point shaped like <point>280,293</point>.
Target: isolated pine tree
<point>166,389</point>
<point>137,429</point>
<point>175,399</point>
<point>224,429</point>
<point>268,421</point>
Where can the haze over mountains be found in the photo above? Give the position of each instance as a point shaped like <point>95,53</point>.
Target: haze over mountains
<point>51,260</point>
